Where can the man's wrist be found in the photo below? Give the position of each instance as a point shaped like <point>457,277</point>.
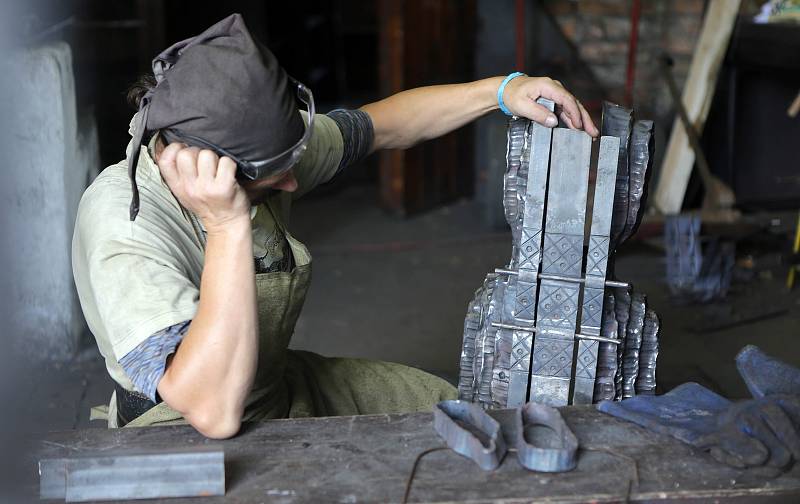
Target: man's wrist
<point>229,226</point>
<point>486,93</point>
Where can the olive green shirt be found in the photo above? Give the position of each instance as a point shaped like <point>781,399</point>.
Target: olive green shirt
<point>137,278</point>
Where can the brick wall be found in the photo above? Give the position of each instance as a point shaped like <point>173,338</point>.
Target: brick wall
<point>600,30</point>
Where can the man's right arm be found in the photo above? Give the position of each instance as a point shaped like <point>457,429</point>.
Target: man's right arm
<point>208,378</point>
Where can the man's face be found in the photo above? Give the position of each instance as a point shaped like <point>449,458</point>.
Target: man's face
<point>259,190</point>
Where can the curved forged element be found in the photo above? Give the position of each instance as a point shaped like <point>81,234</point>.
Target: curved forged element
<point>641,163</point>
<point>618,122</point>
<point>648,357</point>
<point>458,422</point>
<point>536,458</point>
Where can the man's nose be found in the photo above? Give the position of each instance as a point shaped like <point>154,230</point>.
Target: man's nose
<point>288,183</point>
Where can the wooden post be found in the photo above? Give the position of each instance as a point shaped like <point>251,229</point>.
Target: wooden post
<point>424,43</point>
<point>698,93</point>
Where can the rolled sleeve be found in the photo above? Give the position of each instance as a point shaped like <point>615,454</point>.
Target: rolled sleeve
<point>321,160</point>
<point>145,365</point>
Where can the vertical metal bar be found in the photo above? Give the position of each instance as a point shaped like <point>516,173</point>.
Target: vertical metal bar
<point>596,269</point>
<point>528,260</point>
<point>557,307</point>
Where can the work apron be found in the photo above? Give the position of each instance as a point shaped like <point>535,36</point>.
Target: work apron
<point>295,384</point>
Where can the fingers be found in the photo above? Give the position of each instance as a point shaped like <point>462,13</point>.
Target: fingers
<point>167,163</point>
<point>569,105</point>
<point>207,162</point>
<point>540,114</point>
<point>758,429</point>
<point>187,163</point>
<point>569,109</point>
<point>781,425</point>
<point>739,449</point>
<point>588,124</point>
<point>226,170</point>
<point>566,120</point>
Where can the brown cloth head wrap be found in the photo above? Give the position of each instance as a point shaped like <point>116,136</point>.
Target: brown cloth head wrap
<point>222,86</point>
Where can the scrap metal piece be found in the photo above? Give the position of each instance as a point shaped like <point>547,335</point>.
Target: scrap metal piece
<point>469,431</point>
<point>641,163</point>
<point>617,122</point>
<point>648,355</point>
<point>596,268</point>
<point>557,308</point>
<point>622,308</point>
<point>487,342</point>
<point>513,187</point>
<point>633,344</point>
<point>134,475</point>
<point>544,457</point>
<point>472,323</point>
<point>604,388</point>
<point>496,349</point>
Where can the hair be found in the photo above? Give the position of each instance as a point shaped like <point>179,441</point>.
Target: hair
<point>138,89</point>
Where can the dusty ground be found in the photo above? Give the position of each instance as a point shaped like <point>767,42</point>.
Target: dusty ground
<point>395,289</point>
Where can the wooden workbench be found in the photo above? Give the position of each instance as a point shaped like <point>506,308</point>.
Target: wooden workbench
<point>368,459</point>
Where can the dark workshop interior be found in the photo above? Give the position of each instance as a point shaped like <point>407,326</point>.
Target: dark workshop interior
<point>401,239</point>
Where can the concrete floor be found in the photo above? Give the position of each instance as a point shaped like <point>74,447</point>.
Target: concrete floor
<point>394,289</point>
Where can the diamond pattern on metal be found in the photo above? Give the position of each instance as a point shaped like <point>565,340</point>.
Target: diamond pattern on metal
<point>592,310</point>
<point>529,249</point>
<point>521,351</point>
<point>597,256</point>
<point>563,254</point>
<point>552,357</point>
<point>558,305</point>
<point>526,300</point>
<point>586,362</point>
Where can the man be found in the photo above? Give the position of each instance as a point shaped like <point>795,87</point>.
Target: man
<point>192,290</point>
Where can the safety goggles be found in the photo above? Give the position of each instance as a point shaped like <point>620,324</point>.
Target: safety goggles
<point>255,170</point>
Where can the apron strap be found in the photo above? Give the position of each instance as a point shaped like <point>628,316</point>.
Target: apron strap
<point>130,405</point>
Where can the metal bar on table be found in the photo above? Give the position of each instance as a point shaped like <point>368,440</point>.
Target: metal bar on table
<point>134,475</point>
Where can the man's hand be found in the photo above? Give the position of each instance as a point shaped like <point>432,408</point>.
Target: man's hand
<point>204,184</point>
<point>520,97</point>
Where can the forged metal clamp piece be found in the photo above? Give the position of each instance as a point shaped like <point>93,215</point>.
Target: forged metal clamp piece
<point>545,459</point>
<point>462,425</point>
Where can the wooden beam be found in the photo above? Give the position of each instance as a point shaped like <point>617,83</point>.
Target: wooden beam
<point>697,95</point>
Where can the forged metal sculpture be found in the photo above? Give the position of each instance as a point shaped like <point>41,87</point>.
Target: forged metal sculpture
<point>554,321</point>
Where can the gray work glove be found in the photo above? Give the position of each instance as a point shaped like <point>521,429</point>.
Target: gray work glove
<point>756,432</point>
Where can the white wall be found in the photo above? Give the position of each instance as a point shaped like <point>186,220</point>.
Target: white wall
<point>46,168</point>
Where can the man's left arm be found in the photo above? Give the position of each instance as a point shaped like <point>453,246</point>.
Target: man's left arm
<point>413,116</point>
